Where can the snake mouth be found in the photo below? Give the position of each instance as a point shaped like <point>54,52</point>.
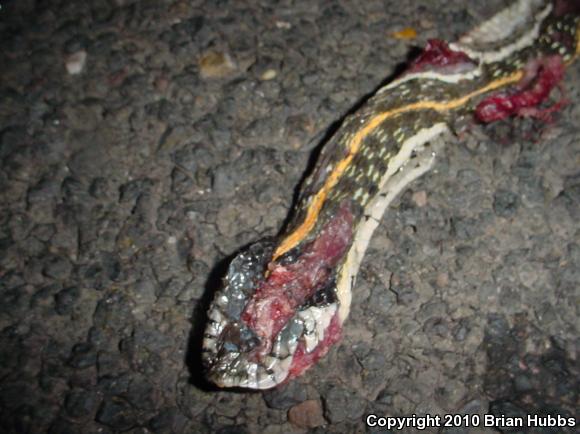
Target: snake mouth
<point>236,359</point>
<point>273,319</point>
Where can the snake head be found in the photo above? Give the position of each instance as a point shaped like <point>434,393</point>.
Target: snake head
<point>273,319</point>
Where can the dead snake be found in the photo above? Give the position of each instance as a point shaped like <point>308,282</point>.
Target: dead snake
<point>284,300</point>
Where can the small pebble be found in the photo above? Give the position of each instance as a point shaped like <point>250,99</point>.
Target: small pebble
<point>442,280</point>
<point>283,25</point>
<point>307,414</point>
<point>75,63</point>
<point>406,33</point>
<point>216,65</point>
<point>269,74</point>
<point>420,198</point>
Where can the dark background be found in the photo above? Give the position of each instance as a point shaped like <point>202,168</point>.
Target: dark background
<point>124,188</point>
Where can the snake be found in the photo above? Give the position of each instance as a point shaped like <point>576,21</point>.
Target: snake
<point>284,299</point>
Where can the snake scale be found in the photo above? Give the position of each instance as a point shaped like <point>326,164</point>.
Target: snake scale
<point>284,300</point>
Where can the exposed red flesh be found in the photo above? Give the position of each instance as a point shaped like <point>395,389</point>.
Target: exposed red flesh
<point>289,286</point>
<point>541,76</point>
<point>438,56</point>
<point>303,360</point>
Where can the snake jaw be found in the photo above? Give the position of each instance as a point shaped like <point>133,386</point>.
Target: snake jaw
<point>234,354</point>
<point>303,341</point>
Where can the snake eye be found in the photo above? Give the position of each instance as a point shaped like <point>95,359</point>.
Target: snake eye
<point>238,338</point>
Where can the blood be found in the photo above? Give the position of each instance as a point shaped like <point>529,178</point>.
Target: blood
<point>438,56</point>
<point>541,76</point>
<point>303,360</point>
<point>289,286</point>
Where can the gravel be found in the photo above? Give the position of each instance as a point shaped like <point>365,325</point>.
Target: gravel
<point>142,143</point>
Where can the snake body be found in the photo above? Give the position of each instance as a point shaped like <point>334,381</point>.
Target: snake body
<point>284,300</point>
